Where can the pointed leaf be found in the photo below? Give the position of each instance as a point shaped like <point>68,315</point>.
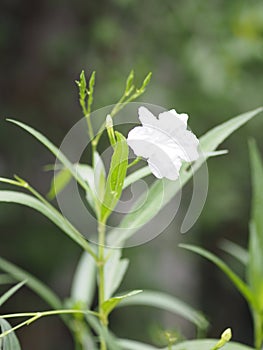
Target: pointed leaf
<point>214,137</point>
<point>168,303</point>
<point>117,174</point>
<point>32,282</point>
<point>48,211</point>
<point>235,250</point>
<point>203,344</point>
<point>53,149</point>
<point>127,344</point>
<point>111,303</point>
<point>208,344</point>
<point>99,176</point>
<point>9,342</point>
<point>240,285</point>
<point>84,281</point>
<point>255,266</point>
<point>95,179</point>
<point>59,182</point>
<point>87,174</point>
<point>10,292</point>
<point>161,192</point>
<point>115,269</point>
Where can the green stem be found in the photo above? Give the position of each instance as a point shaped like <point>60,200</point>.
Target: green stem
<point>136,160</point>
<point>101,286</point>
<point>90,128</point>
<point>37,315</point>
<point>258,330</point>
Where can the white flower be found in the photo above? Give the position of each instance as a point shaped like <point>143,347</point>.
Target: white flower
<point>164,141</point>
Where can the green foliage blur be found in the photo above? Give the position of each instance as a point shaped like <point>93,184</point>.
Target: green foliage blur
<point>207,60</point>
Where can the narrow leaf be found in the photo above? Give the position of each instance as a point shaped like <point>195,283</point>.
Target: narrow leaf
<point>10,292</point>
<point>48,211</point>
<point>127,344</point>
<point>117,174</point>
<point>111,303</point>
<point>53,149</point>
<point>203,344</point>
<point>214,137</point>
<point>168,303</point>
<point>235,250</point>
<point>9,342</point>
<point>208,344</point>
<point>115,269</point>
<point>255,265</point>
<point>238,282</point>
<point>59,182</point>
<point>32,282</point>
<point>84,281</point>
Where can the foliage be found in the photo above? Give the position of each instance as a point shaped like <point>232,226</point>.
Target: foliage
<point>103,264</point>
<point>252,289</point>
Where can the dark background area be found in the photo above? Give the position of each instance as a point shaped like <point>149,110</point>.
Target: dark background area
<point>207,60</point>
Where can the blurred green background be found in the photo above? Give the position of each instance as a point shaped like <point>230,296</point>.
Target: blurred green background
<point>207,60</point>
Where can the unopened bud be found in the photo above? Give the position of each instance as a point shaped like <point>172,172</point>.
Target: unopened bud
<point>226,335</point>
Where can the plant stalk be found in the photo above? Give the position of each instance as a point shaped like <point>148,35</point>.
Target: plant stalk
<point>258,329</point>
<point>101,291</point>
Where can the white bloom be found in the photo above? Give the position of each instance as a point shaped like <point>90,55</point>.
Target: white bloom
<point>164,141</point>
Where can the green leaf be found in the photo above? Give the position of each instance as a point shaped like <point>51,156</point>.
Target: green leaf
<point>255,265</point>
<point>111,303</point>
<point>115,269</point>
<point>9,342</point>
<point>99,176</point>
<point>208,344</point>
<point>203,344</point>
<point>127,344</point>
<point>214,137</point>
<point>48,211</point>
<point>168,303</point>
<point>95,179</point>
<point>235,250</point>
<point>117,174</point>
<point>53,149</point>
<point>10,292</point>
<point>162,191</point>
<point>84,281</point>
<point>238,282</point>
<point>59,182</point>
<point>32,282</point>
<point>87,174</point>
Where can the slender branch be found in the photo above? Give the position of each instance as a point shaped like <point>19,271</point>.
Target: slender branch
<point>101,286</point>
<point>258,330</point>
<point>37,315</point>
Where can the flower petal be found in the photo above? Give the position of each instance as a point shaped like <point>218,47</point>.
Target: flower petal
<point>164,141</point>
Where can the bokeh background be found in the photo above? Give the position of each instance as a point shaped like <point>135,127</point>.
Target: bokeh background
<point>207,60</point>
